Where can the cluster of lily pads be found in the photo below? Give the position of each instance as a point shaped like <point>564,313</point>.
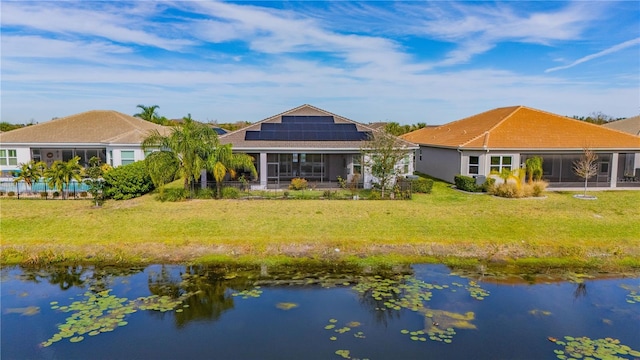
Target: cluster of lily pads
<point>344,329</point>
<point>633,297</point>
<point>586,348</point>
<point>101,312</point>
<point>402,292</point>
<point>476,291</point>
<point>445,335</point>
<point>251,293</point>
<point>346,354</point>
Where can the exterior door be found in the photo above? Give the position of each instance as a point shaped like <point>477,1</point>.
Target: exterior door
<point>273,172</point>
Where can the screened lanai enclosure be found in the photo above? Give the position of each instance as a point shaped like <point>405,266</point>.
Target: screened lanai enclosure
<point>319,168</point>
<point>49,155</point>
<point>558,169</point>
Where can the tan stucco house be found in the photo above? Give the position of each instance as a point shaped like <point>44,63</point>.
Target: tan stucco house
<point>112,136</point>
<point>310,143</point>
<point>504,138</point>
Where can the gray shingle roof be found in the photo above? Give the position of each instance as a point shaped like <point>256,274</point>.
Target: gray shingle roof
<point>237,138</point>
<point>630,125</point>
<point>91,127</point>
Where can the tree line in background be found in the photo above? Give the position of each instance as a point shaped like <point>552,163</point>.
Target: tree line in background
<point>149,113</point>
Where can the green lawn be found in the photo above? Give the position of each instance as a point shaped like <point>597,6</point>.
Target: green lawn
<point>443,225</point>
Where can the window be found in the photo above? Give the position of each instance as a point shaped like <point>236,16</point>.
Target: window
<point>8,157</point>
<point>127,157</point>
<point>499,163</point>
<point>474,164</point>
<point>407,161</point>
<point>35,155</point>
<point>357,164</point>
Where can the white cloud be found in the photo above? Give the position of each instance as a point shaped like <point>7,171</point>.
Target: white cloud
<point>118,24</point>
<point>611,50</point>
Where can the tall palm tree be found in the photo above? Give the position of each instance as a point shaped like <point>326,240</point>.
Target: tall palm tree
<point>60,174</point>
<point>190,143</point>
<point>222,160</point>
<point>30,172</point>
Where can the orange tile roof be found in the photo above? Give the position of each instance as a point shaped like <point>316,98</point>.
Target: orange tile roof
<point>520,127</point>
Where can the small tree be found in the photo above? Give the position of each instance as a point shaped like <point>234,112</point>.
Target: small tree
<point>95,181</point>
<point>60,174</point>
<point>586,167</point>
<point>30,173</point>
<point>382,154</point>
<point>534,168</point>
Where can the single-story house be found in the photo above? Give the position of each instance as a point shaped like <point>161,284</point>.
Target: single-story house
<point>114,137</point>
<point>504,138</point>
<point>309,143</point>
<point>630,125</point>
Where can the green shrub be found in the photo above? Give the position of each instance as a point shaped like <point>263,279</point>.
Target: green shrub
<point>1,193</point>
<point>374,195</point>
<point>127,181</point>
<point>229,192</point>
<point>466,183</point>
<point>328,194</point>
<point>11,193</point>
<point>173,194</point>
<point>422,185</point>
<point>205,193</point>
<point>286,194</point>
<point>44,194</point>
<point>488,184</point>
<point>56,194</point>
<point>83,194</point>
<point>298,184</point>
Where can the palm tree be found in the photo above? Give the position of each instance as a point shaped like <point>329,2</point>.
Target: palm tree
<point>61,173</point>
<point>222,160</point>
<point>163,168</point>
<point>149,113</point>
<point>190,144</point>
<point>30,172</point>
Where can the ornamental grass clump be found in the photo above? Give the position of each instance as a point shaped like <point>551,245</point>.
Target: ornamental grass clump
<point>298,184</point>
<point>517,190</point>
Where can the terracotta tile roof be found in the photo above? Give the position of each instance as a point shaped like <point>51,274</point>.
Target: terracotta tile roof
<point>630,125</point>
<point>520,127</point>
<point>237,138</point>
<point>91,127</point>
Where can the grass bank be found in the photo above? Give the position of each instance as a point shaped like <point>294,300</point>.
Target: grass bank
<point>446,225</point>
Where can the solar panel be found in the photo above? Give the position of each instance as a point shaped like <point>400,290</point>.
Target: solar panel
<point>307,128</point>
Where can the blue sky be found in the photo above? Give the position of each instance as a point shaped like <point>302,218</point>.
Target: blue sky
<point>403,61</point>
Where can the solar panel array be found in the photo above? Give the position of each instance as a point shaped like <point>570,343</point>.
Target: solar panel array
<point>307,128</point>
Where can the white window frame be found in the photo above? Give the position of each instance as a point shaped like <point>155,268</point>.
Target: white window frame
<point>127,160</point>
<point>475,165</point>
<point>8,157</point>
<point>501,165</point>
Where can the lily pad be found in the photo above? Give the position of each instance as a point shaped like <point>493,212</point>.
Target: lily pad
<point>286,305</point>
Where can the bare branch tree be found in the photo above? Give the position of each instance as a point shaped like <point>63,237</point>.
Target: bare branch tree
<point>586,167</point>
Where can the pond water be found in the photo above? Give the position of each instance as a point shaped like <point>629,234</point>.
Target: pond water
<point>219,312</point>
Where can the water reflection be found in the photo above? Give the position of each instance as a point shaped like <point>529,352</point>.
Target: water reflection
<point>271,312</point>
